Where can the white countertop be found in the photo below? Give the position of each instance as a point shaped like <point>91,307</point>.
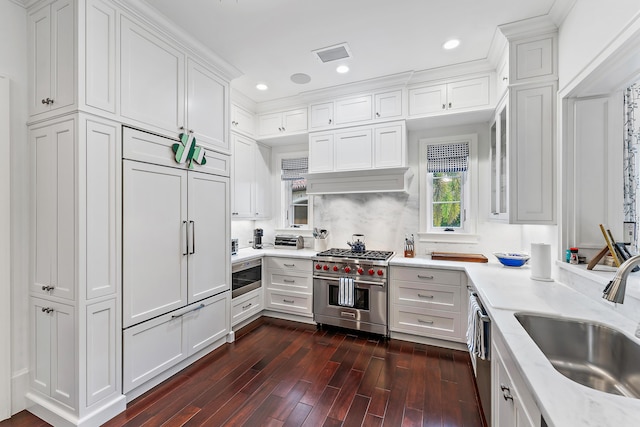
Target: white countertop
<point>505,291</point>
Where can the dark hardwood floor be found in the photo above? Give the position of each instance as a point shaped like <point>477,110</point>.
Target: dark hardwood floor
<point>289,374</point>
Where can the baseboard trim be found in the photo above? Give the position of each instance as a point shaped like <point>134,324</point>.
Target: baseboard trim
<point>54,415</point>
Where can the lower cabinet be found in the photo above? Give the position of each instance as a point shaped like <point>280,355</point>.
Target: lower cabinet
<point>427,302</point>
<point>245,306</point>
<point>152,347</point>
<point>289,286</point>
<point>513,405</point>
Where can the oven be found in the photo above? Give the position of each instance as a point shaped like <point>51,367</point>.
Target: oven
<point>365,275</point>
<point>245,277</point>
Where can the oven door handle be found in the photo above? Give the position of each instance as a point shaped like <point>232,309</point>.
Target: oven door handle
<point>357,282</point>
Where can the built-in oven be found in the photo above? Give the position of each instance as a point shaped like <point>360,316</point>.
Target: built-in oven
<point>245,277</point>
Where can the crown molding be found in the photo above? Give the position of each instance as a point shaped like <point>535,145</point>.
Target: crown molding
<point>528,27</point>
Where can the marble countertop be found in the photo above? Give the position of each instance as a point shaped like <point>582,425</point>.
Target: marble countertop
<point>505,291</point>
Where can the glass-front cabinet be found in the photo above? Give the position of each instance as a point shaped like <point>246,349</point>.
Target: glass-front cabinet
<point>499,163</point>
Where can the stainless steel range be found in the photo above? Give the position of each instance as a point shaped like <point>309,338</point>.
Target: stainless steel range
<point>336,272</point>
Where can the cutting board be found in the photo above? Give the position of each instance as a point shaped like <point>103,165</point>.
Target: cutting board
<point>454,256</point>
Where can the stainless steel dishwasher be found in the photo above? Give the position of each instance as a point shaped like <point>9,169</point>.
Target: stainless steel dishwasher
<point>480,353</point>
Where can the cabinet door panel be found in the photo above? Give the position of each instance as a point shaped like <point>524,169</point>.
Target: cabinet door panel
<point>354,150</point>
<point>63,45</point>
<point>100,67</point>
<point>103,193</point>
<point>468,93</point>
<point>154,241</point>
<point>321,153</point>
<point>40,61</point>
<point>427,100</point>
<point>294,120</point>
<point>208,324</point>
<point>63,351</point>
<point>243,177</point>
<point>389,146</point>
<point>353,109</point>
<point>388,104</point>
<point>207,112</point>
<point>152,79</point>
<point>209,252</point>
<point>41,347</point>
<point>102,378</point>
<point>270,124</point>
<point>66,217</point>
<point>321,115</point>
<point>262,181</point>
<point>242,120</point>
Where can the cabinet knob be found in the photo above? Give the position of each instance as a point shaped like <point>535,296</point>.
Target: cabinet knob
<point>48,288</point>
<point>444,106</point>
<point>47,310</point>
<point>449,105</point>
<point>283,129</point>
<point>504,79</point>
<point>377,114</point>
<point>330,121</point>
<point>506,392</point>
<point>47,101</point>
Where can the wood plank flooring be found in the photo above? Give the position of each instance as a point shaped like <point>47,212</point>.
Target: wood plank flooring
<point>282,373</point>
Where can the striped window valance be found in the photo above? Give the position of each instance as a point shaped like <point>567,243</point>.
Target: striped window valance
<point>448,157</point>
<point>292,169</point>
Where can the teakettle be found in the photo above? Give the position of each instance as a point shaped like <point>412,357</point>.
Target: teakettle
<point>358,243</point>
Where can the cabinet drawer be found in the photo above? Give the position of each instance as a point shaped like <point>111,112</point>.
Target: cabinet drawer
<point>427,323</point>
<point>291,282</point>
<point>288,302</point>
<point>427,275</point>
<point>244,308</point>
<point>431,296</point>
<point>292,264</point>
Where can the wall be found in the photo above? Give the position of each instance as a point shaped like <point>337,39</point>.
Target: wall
<point>589,28</point>
<point>13,64</point>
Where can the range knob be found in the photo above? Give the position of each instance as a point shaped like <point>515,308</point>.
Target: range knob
<point>360,270</point>
<point>347,269</point>
<point>371,272</point>
<point>318,267</point>
<point>325,267</point>
<point>335,268</point>
<point>380,272</point>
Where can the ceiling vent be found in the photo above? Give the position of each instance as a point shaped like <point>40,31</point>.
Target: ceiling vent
<point>332,53</point>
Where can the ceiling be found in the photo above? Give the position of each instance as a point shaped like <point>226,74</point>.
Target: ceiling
<point>269,40</point>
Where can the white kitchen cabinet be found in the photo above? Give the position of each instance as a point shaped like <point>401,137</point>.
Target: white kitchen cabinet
<point>321,115</point>
<point>152,81</point>
<point>282,123</point>
<point>152,347</point>
<point>358,148</point>
<point>454,96</point>
<point>53,372</point>
<point>242,121</point>
<point>100,56</point>
<point>354,109</point>
<point>289,286</point>
<point>498,158</point>
<point>250,179</point>
<point>207,108</point>
<point>52,58</point>
<point>246,306</point>
<point>174,248</point>
<point>428,302</point>
<point>387,105</point>
<point>513,405</point>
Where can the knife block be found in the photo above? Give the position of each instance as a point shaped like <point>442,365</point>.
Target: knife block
<point>409,253</point>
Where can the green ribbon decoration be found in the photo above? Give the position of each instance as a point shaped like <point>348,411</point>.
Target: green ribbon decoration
<point>187,151</point>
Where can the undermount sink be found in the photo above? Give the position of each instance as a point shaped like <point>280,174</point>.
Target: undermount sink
<point>591,354</point>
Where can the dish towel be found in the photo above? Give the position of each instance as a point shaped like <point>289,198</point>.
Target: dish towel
<point>478,331</point>
<point>346,292</point>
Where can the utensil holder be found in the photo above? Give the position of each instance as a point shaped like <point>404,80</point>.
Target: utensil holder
<point>320,245</point>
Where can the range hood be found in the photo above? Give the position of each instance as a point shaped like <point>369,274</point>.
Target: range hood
<point>362,181</point>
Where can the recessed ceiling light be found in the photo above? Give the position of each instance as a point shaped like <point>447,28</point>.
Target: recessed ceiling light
<point>342,69</point>
<point>451,44</point>
<point>300,78</point>
<point>262,86</point>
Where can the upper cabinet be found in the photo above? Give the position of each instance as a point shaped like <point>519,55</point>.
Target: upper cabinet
<point>52,59</point>
<point>459,95</point>
<point>282,123</point>
<point>356,110</point>
<point>157,94</point>
<point>243,121</point>
<point>250,179</point>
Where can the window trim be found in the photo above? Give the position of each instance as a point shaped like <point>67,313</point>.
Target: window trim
<point>468,234</point>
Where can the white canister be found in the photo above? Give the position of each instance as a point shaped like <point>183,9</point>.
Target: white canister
<point>541,262</point>
<point>320,245</point>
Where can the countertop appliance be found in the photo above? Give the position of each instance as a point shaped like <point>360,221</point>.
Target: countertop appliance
<point>481,367</point>
<point>234,246</point>
<point>257,238</point>
<point>245,277</point>
<point>288,241</point>
<point>365,274</point>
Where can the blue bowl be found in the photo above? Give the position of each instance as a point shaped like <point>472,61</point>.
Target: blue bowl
<point>512,259</point>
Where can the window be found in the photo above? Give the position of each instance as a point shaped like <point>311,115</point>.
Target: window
<point>296,207</point>
<point>448,173</point>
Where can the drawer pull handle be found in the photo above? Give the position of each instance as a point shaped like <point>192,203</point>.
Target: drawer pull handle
<point>244,307</point>
<point>187,312</point>
<point>506,392</point>
<point>426,322</point>
<point>289,281</point>
<point>48,288</point>
<point>425,296</point>
<point>289,265</point>
<point>47,310</point>
<point>420,276</point>
<point>288,301</point>
<point>347,314</point>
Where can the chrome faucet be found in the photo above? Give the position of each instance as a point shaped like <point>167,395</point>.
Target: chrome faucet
<point>615,290</point>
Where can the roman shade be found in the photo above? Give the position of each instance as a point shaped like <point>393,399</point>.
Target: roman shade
<point>448,157</point>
